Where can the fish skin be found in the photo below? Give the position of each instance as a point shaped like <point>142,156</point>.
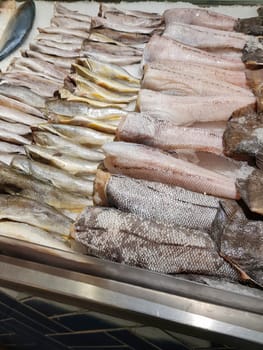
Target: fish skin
<point>23,107</point>
<point>77,134</point>
<point>154,132</point>
<point>131,20</point>
<point>11,137</point>
<point>119,60</point>
<point>15,182</point>
<point>59,45</point>
<point>250,190</point>
<point>205,38</point>
<point>16,128</point>
<point>6,158</point>
<point>187,83</point>
<point>251,26</point>
<point>199,70</point>
<point>60,38</point>
<point>123,37</point>
<point>68,31</point>
<point>59,9</point>
<point>54,51</point>
<point>118,50</point>
<point>73,165</point>
<point>231,229</point>
<point>32,234</point>
<point>200,17</point>
<point>58,178</point>
<point>185,110</point>
<point>67,22</point>
<point>110,71</point>
<point>169,205</point>
<point>20,209</point>
<point>17,28</point>
<point>162,48</point>
<point>110,84</point>
<point>253,54</point>
<point>243,135</point>
<point>59,61</point>
<point>66,147</point>
<point>72,109</point>
<point>125,238</point>
<point>104,10</point>
<point>22,94</point>
<point>15,116</point>
<point>143,162</point>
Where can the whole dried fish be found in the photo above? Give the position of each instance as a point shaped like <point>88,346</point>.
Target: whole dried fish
<point>64,31</point>
<point>143,162</point>
<point>200,17</point>
<point>16,128</point>
<point>60,38</point>
<point>20,106</point>
<point>67,22</point>
<point>7,147</point>
<point>230,230</point>
<point>63,62</point>
<point>123,237</point>
<point>17,208</point>
<point>123,37</point>
<point>187,83</point>
<point>11,137</point>
<point>55,51</point>
<point>107,70</point>
<point>15,182</point>
<point>104,10</point>
<point>185,110</point>
<point>71,164</point>
<point>120,60</point>
<point>151,131</point>
<point>58,178</point>
<point>169,205</point>
<point>6,158</point>
<point>64,146</point>
<point>162,48</point>
<point>15,116</point>
<point>22,94</point>
<point>113,49</point>
<point>59,9</point>
<point>17,28</point>
<point>60,45</point>
<point>77,134</point>
<point>32,234</point>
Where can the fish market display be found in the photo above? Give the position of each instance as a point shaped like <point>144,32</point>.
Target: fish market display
<point>17,28</point>
<point>155,118</point>
<point>124,237</point>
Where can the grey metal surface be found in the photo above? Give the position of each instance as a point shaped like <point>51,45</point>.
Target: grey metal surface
<point>147,305</point>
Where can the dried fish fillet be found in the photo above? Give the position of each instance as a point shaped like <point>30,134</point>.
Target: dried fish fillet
<point>123,237</point>
<point>169,205</point>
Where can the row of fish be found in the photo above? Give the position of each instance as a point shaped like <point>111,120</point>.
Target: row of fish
<point>161,192</point>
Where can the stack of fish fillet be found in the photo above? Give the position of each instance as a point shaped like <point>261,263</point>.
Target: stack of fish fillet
<point>54,175</point>
<point>168,196</point>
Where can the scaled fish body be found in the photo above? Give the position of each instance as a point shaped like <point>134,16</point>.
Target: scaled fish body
<point>185,110</point>
<point>31,234</point>
<point>239,239</point>
<point>163,134</point>
<point>20,209</point>
<point>143,162</point>
<point>17,28</point>
<point>123,237</point>
<point>162,48</point>
<point>169,205</point>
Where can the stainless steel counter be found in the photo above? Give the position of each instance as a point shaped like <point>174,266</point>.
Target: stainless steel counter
<point>159,300</point>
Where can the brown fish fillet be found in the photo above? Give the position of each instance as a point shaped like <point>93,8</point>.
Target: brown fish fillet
<point>162,48</point>
<point>200,17</point>
<point>169,205</point>
<point>240,239</point>
<point>123,237</point>
<point>185,110</point>
<point>251,190</point>
<point>183,83</point>
<point>143,162</point>
<point>163,134</point>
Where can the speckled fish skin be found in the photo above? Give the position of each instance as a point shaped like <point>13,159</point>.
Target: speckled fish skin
<point>240,239</point>
<point>123,237</point>
<point>145,129</point>
<point>18,208</point>
<point>166,204</point>
<point>143,162</point>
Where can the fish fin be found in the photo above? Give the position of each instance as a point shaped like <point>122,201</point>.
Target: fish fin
<point>259,159</point>
<point>244,277</point>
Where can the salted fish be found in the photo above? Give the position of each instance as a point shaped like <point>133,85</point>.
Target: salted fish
<point>22,94</point>
<point>169,205</point>
<point>104,10</point>
<point>146,129</point>
<point>186,82</point>
<point>60,9</point>
<point>17,28</point>
<point>185,110</point>
<point>125,38</point>
<point>143,162</point>
<point>239,239</point>
<point>20,106</point>
<point>32,234</point>
<point>125,238</point>
<point>32,212</point>
<point>162,48</point>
